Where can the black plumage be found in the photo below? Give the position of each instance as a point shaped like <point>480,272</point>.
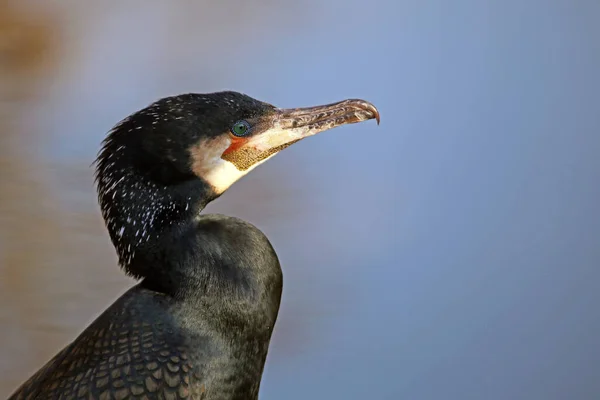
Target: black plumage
<point>199,322</point>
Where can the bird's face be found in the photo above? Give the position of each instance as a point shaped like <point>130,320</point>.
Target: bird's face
<point>220,137</point>
<point>245,139</point>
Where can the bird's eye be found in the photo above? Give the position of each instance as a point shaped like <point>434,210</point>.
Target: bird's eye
<point>240,128</point>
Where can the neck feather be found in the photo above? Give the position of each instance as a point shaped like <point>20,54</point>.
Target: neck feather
<point>139,212</point>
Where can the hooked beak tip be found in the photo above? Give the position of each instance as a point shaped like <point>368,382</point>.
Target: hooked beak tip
<point>375,112</point>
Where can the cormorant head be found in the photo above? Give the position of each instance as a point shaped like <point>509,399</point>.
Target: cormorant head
<point>168,160</point>
<point>220,137</point>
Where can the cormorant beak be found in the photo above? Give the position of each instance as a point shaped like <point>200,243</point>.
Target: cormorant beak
<point>303,122</point>
<point>284,127</point>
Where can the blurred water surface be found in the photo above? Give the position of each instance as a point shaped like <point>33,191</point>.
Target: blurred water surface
<point>452,252</point>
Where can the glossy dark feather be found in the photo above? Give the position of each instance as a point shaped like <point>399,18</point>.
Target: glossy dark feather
<point>134,350</point>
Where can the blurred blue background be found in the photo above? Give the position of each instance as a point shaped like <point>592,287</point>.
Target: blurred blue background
<point>450,253</point>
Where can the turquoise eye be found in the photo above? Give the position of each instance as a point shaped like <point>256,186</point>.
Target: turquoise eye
<point>240,128</point>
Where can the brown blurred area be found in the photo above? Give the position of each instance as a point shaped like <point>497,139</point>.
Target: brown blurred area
<point>57,267</point>
<point>32,232</point>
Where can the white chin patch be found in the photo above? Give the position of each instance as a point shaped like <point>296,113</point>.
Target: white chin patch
<point>222,175</point>
<point>208,164</point>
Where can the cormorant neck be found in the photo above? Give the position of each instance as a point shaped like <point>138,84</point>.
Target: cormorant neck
<point>210,262</point>
<point>140,213</point>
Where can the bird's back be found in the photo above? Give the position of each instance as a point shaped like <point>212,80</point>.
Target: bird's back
<point>136,349</point>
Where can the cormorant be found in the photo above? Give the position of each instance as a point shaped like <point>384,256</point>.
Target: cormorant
<point>198,324</point>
